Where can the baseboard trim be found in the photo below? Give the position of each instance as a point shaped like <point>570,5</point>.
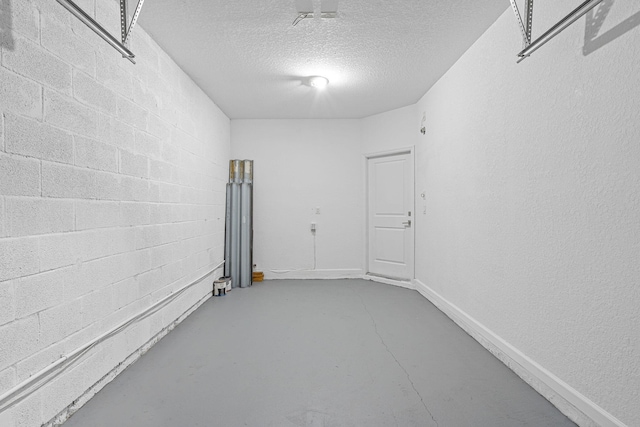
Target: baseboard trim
<point>350,273</point>
<point>387,281</point>
<point>568,400</point>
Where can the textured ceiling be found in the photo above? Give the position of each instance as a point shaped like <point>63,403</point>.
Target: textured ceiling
<point>377,54</point>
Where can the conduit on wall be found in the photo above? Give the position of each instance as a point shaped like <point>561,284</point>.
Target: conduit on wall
<point>239,224</point>
<point>36,380</point>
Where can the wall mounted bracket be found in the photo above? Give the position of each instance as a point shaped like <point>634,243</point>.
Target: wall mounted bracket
<point>126,32</point>
<point>120,46</point>
<point>525,28</point>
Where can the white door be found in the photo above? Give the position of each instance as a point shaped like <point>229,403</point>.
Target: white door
<point>390,215</point>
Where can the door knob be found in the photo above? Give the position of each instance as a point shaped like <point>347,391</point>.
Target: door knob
<point>407,223</point>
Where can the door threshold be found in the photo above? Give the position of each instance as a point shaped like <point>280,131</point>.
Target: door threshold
<point>403,283</point>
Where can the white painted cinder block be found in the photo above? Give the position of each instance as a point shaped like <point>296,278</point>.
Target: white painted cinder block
<point>7,302</point>
<point>162,171</point>
<point>2,119</point>
<point>28,412</point>
<point>24,21</point>
<point>67,113</point>
<point>97,214</point>
<point>59,39</point>
<point>95,155</point>
<point>124,292</point>
<point>115,132</point>
<point>67,181</point>
<point>19,95</point>
<point>18,257</point>
<point>58,392</point>
<point>148,145</point>
<point>35,139</point>
<point>23,335</point>
<point>39,360</point>
<point>135,189</point>
<point>134,164</point>
<point>132,114</point>
<point>148,281</point>
<point>162,213</point>
<point>7,380</point>
<point>145,97</point>
<point>108,186</point>
<point>31,60</point>
<point>114,77</point>
<point>96,306</point>
<point>52,257</point>
<point>169,192</point>
<point>32,216</point>
<point>89,173</point>
<point>60,322</point>
<point>163,255</point>
<point>106,242</point>
<point>19,176</point>
<point>39,292</point>
<point>90,92</point>
<point>135,213</point>
<point>159,128</point>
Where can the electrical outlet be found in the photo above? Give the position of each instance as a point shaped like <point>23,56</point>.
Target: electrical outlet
<point>313,227</point>
<point>317,211</point>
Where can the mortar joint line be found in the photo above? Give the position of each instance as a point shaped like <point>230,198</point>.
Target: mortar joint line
<point>375,326</point>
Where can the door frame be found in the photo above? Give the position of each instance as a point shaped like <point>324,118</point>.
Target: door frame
<point>410,150</point>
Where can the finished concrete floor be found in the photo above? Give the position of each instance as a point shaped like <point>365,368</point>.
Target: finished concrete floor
<point>318,353</point>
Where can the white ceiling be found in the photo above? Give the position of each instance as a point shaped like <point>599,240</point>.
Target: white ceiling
<point>378,54</point>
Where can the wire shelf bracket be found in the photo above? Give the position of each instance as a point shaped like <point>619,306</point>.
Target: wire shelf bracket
<point>528,46</point>
<point>125,31</point>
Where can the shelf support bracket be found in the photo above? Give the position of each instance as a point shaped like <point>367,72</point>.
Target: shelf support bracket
<point>126,32</point>
<point>525,27</point>
<point>99,29</point>
<point>527,24</point>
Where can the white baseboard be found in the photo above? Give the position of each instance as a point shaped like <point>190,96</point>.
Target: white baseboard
<point>568,400</point>
<point>351,273</point>
<point>394,282</point>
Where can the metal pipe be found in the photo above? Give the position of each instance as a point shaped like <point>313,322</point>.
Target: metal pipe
<point>245,235</point>
<point>13,391</point>
<point>97,28</point>
<point>234,259</point>
<point>227,232</point>
<point>558,28</point>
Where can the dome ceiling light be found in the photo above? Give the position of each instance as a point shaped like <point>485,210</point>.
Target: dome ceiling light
<point>318,82</point>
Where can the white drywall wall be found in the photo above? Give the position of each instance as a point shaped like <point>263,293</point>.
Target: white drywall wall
<point>391,130</point>
<point>111,196</point>
<point>301,165</point>
<point>532,180</point>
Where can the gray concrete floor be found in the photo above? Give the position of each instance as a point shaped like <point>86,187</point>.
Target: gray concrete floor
<point>318,353</point>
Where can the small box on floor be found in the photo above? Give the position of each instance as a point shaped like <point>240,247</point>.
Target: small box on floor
<point>221,286</point>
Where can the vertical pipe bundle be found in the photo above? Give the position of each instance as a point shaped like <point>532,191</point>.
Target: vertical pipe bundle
<point>239,224</point>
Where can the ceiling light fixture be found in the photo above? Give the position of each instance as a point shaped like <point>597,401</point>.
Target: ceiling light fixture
<point>318,82</point>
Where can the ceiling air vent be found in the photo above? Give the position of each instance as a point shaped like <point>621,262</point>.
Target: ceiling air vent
<point>328,9</point>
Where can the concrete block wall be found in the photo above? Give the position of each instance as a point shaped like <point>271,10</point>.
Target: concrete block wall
<point>112,180</point>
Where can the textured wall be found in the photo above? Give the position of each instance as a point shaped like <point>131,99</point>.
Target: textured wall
<point>391,130</point>
<point>532,180</point>
<point>301,165</point>
<point>111,196</point>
